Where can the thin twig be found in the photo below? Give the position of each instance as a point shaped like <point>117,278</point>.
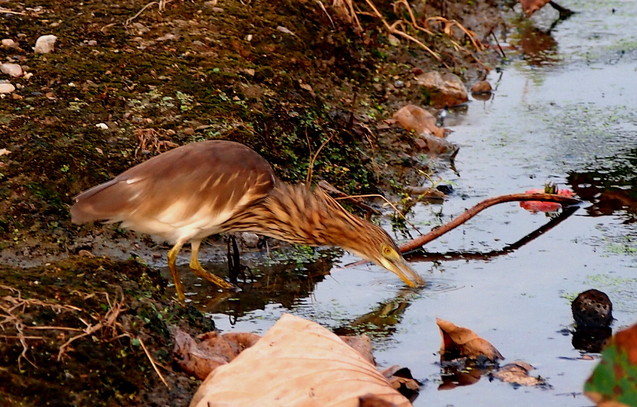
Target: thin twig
<point>152,362</point>
<point>342,195</point>
<point>310,169</point>
<point>470,213</point>
<point>386,201</point>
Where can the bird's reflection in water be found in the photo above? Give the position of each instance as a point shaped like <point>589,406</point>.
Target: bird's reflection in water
<point>263,280</point>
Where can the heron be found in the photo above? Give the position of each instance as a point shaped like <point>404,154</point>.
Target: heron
<point>217,186</point>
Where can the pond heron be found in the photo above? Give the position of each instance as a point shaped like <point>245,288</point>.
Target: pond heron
<point>210,187</point>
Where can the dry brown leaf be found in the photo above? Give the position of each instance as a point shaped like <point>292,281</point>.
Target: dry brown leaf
<point>518,373</point>
<point>213,350</point>
<point>296,363</point>
<point>401,379</point>
<point>531,6</point>
<point>458,342</point>
<point>418,120</point>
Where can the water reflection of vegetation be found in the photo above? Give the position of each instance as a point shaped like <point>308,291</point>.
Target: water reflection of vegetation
<point>611,187</point>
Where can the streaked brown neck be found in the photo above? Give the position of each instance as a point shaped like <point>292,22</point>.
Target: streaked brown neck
<point>298,215</point>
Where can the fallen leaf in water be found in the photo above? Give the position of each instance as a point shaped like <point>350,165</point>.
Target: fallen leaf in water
<point>296,363</point>
<point>463,342</point>
<point>539,206</point>
<point>518,373</point>
<point>401,379</point>
<point>613,380</point>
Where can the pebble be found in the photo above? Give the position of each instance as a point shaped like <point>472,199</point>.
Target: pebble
<point>6,88</point>
<point>481,87</point>
<point>45,44</point>
<point>250,239</point>
<point>102,126</point>
<point>10,69</point>
<point>9,43</point>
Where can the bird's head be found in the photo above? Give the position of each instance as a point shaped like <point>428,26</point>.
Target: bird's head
<point>376,245</point>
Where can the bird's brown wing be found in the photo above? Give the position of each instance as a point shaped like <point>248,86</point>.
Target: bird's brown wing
<point>204,182</point>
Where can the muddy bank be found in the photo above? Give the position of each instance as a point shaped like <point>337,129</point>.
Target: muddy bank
<point>84,331</point>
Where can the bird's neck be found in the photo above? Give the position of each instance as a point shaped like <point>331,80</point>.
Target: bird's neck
<point>299,215</point>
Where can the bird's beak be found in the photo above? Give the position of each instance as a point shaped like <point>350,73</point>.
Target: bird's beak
<point>399,266</point>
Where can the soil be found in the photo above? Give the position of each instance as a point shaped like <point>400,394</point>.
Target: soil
<point>127,82</point>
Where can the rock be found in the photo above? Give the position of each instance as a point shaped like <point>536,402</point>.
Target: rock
<point>439,147</point>
<point>418,120</point>
<point>9,43</point>
<point>443,90</point>
<point>45,44</point>
<point>250,239</point>
<point>6,88</point>
<point>10,69</point>
<point>481,87</point>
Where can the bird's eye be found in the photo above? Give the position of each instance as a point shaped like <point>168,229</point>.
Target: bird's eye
<point>386,250</point>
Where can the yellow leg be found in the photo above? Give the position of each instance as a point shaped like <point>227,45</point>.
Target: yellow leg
<point>172,258</point>
<point>198,269</point>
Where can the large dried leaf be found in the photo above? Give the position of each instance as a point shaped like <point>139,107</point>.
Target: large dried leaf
<point>200,357</point>
<point>296,363</point>
<point>463,342</point>
<point>614,380</point>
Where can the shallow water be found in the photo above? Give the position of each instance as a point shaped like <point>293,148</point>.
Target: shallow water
<point>567,116</point>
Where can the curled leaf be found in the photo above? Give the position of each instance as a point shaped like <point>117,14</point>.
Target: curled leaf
<point>463,342</point>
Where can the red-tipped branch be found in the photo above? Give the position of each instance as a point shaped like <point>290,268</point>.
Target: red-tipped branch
<point>470,213</point>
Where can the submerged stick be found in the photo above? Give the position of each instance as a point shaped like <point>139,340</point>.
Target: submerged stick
<point>470,213</point>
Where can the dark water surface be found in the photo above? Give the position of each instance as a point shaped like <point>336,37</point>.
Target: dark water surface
<point>565,114</point>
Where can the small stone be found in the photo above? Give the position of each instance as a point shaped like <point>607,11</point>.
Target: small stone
<point>481,87</point>
<point>102,126</point>
<point>9,43</point>
<point>92,43</point>
<point>10,69</point>
<point>6,88</point>
<point>420,143</point>
<point>85,253</point>
<point>250,239</point>
<point>45,44</point>
<point>167,37</point>
<point>399,84</point>
<point>443,90</point>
